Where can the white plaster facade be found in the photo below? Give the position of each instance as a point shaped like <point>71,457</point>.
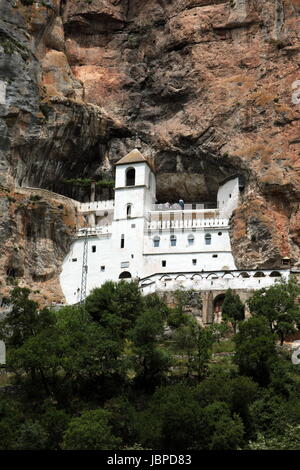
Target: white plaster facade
<point>132,237</point>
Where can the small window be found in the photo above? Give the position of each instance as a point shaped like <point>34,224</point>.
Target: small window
<point>164,263</point>
<point>102,268</point>
<point>74,260</point>
<point>194,262</point>
<point>173,240</point>
<point>207,239</point>
<point>214,256</point>
<point>229,195</point>
<point>125,264</point>
<point>132,256</point>
<point>219,233</point>
<point>122,241</point>
<point>94,248</point>
<point>132,225</point>
<point>191,240</point>
<point>156,241</point>
<point>128,210</point>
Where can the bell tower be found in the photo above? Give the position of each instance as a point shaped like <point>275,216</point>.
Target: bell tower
<point>135,189</point>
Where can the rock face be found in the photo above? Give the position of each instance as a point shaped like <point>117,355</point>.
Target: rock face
<point>207,88</point>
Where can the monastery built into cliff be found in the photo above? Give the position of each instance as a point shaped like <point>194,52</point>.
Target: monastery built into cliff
<point>162,247</point>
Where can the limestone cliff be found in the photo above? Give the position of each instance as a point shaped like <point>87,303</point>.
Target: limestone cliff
<point>207,88</point>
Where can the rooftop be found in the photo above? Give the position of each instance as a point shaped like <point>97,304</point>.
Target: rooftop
<point>134,156</point>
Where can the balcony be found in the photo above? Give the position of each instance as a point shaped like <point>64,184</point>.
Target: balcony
<point>186,224</point>
<point>98,231</point>
<point>193,207</point>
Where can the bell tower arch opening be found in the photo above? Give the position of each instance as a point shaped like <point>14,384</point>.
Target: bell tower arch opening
<point>130,177</point>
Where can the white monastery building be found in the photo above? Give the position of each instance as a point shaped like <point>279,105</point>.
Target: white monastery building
<point>163,247</point>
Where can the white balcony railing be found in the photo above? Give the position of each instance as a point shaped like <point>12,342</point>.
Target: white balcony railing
<point>97,206</point>
<point>185,224</point>
<point>94,231</point>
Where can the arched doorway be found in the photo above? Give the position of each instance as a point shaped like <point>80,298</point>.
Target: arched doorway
<point>125,275</point>
<point>217,307</point>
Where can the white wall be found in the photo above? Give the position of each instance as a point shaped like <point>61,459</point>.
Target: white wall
<point>220,241</point>
<point>228,196</point>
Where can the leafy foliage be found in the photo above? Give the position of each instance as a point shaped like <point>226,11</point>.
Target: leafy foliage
<point>195,341</point>
<point>279,306</point>
<point>233,309</point>
<point>255,350</point>
<point>90,431</point>
<point>111,376</point>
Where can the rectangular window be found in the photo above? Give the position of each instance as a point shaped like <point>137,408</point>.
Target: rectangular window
<point>93,248</point>
<point>102,268</point>
<point>122,241</point>
<point>74,260</point>
<point>164,263</point>
<point>194,261</point>
<point>132,225</point>
<point>214,256</point>
<point>125,264</point>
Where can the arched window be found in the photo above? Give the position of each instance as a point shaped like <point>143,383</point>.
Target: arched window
<point>156,241</point>
<point>130,177</point>
<point>191,239</point>
<point>122,241</point>
<point>207,239</point>
<point>125,275</point>
<point>128,210</point>
<point>244,274</point>
<point>173,240</point>
<point>259,274</point>
<point>275,274</point>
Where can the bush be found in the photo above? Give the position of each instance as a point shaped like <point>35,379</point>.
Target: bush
<point>90,431</point>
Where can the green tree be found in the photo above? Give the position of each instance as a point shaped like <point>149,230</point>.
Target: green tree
<point>65,353</point>
<point>233,310</point>
<point>195,342</point>
<point>223,430</point>
<point>171,420</point>
<point>149,359</point>
<point>279,305</point>
<point>23,319</point>
<point>54,421</point>
<point>115,306</point>
<point>90,431</point>
<point>237,392</point>
<point>31,436</point>
<point>175,420</point>
<point>255,350</point>
<point>11,417</point>
<point>287,439</point>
